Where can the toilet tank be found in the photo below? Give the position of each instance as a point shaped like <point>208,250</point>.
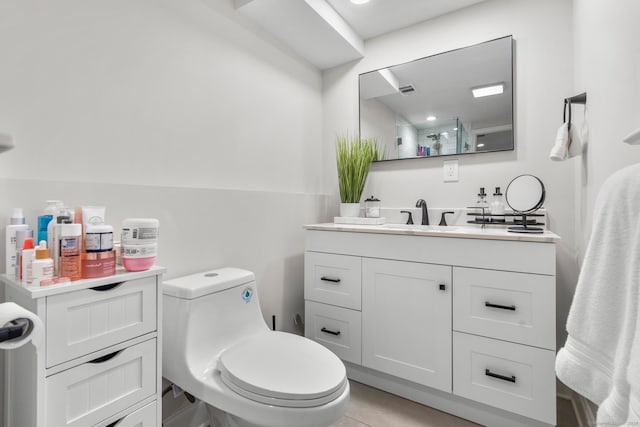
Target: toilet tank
<point>205,313</point>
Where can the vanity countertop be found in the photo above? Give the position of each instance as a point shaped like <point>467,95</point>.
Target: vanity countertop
<point>460,232</point>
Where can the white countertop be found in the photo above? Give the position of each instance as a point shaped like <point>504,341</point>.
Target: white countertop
<point>35,291</point>
<point>460,232</point>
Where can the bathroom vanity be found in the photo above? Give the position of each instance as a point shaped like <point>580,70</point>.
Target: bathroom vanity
<point>99,363</point>
<point>461,319</point>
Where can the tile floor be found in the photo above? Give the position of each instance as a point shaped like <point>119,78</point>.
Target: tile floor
<point>370,407</point>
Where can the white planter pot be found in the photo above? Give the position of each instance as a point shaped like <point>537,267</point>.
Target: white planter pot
<point>350,209</point>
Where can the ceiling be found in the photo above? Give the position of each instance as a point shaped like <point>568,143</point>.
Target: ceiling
<point>383,16</point>
<point>328,33</point>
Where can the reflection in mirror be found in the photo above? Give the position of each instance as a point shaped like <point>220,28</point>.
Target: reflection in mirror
<point>457,102</point>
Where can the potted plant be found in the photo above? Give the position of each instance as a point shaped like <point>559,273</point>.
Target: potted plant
<point>353,157</point>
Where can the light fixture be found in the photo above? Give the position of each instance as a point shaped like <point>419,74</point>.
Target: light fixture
<point>431,118</point>
<point>359,1</point>
<point>480,145</point>
<point>494,89</point>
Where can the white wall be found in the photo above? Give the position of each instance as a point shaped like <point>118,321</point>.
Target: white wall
<point>607,67</point>
<point>175,109</point>
<point>543,78</point>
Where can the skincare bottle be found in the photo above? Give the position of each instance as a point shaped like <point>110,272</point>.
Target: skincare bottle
<point>27,256</point>
<point>70,251</point>
<point>45,219</point>
<point>21,236</point>
<point>17,222</point>
<point>42,267</point>
<point>497,206</point>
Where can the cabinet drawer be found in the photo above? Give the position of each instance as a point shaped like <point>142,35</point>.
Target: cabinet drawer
<point>509,376</point>
<point>143,417</point>
<point>516,307</point>
<point>333,279</point>
<point>88,320</point>
<point>338,329</point>
<point>84,395</point>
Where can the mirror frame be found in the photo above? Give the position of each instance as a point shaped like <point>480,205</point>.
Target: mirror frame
<point>512,100</point>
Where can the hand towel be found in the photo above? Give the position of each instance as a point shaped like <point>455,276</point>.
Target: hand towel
<point>575,143</point>
<point>595,359</point>
<point>560,147</point>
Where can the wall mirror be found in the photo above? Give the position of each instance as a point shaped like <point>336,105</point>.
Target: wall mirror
<point>457,102</point>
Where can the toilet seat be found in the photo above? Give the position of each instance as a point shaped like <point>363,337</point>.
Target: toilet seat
<point>283,369</point>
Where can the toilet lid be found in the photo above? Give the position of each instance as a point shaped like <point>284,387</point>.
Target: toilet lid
<point>283,369</point>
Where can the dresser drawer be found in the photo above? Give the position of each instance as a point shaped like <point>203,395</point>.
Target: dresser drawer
<point>516,307</point>
<point>91,392</point>
<point>143,417</point>
<point>338,329</point>
<point>333,279</point>
<point>513,377</point>
<point>88,320</point>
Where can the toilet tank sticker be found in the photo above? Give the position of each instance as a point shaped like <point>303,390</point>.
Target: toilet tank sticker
<point>247,293</point>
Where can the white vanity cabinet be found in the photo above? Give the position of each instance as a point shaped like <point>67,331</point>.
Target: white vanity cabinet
<point>463,322</point>
<point>100,361</point>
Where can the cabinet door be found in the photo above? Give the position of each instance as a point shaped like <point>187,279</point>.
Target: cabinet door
<point>406,320</point>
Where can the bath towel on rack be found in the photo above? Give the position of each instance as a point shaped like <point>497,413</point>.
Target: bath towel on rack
<point>600,358</point>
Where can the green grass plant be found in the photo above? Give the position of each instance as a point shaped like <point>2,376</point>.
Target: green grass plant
<point>354,156</point>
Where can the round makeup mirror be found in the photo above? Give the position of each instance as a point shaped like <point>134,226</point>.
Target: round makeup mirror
<point>525,195</point>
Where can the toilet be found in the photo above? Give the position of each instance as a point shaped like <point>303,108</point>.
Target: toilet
<point>217,347</point>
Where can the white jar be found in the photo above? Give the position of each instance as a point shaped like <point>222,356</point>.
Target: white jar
<point>138,231</point>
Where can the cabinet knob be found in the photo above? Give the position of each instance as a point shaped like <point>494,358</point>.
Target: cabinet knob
<point>442,286</point>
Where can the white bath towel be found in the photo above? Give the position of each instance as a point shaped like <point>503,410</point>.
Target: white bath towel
<point>602,322</point>
<point>561,146</point>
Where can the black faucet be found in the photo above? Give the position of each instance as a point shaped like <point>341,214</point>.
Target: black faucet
<point>410,219</point>
<point>425,214</point>
<point>443,219</point>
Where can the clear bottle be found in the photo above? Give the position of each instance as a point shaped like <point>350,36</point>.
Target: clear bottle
<point>483,206</point>
<point>497,206</point>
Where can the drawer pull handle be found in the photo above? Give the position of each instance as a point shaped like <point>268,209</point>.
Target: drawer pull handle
<point>330,279</point>
<point>106,287</point>
<point>504,307</point>
<point>328,331</point>
<point>511,379</point>
<point>115,423</point>
<point>105,358</point>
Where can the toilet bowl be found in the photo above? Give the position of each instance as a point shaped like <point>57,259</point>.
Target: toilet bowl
<point>217,347</point>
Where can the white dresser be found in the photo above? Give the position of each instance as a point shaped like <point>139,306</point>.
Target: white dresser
<point>463,321</point>
<point>100,363</point>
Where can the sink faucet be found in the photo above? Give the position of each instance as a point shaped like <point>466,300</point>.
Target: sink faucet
<point>425,214</point>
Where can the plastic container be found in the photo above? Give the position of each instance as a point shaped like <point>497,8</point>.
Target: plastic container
<point>42,267</point>
<point>45,219</point>
<point>27,256</point>
<point>70,251</point>
<point>21,236</point>
<point>98,238</point>
<point>140,230</point>
<point>139,257</point>
<point>17,222</point>
<point>98,264</point>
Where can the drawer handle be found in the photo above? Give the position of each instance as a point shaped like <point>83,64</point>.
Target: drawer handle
<point>328,331</point>
<point>504,307</point>
<point>330,279</point>
<point>106,287</point>
<point>511,379</point>
<point>105,358</point>
<point>115,423</point>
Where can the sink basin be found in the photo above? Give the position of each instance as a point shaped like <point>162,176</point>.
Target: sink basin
<point>418,227</point>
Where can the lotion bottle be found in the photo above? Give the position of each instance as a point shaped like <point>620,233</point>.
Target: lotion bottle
<point>17,222</point>
<point>27,256</point>
<point>42,267</point>
<point>70,251</point>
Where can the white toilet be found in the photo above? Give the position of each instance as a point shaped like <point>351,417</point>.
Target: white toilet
<point>217,347</point>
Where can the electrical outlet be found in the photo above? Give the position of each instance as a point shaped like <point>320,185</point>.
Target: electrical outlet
<point>450,171</point>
